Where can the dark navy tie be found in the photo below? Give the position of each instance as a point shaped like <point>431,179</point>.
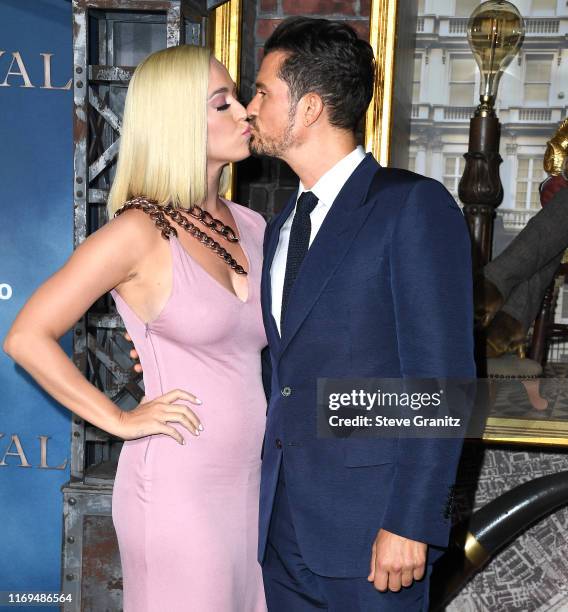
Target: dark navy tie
<point>298,245</point>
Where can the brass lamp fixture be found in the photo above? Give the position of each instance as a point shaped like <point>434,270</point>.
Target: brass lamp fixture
<point>495,33</point>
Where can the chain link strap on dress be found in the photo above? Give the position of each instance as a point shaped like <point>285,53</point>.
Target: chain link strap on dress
<point>205,217</point>
<point>158,214</point>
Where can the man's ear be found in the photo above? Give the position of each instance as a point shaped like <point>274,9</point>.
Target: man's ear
<point>311,108</point>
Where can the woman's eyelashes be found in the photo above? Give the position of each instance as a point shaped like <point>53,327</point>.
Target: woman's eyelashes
<point>220,102</point>
<point>225,104</point>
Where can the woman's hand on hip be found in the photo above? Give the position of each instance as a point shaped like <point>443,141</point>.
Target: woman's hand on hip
<point>153,417</point>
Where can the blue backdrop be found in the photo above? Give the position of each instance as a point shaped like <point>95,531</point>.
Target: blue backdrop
<point>36,232</point>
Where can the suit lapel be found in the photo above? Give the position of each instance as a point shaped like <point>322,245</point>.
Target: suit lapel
<point>330,245</point>
<point>266,284</point>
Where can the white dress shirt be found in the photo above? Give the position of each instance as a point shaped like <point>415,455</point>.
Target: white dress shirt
<point>326,190</point>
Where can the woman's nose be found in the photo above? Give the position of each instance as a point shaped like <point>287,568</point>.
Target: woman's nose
<point>240,112</point>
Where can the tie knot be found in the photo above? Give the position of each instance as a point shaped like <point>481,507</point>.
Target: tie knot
<point>307,202</point>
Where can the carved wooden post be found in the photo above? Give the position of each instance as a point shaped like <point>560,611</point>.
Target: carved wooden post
<point>480,187</point>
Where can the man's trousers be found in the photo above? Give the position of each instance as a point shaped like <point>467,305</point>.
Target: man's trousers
<point>291,586</point>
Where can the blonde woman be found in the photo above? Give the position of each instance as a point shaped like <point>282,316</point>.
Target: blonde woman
<point>186,282</point>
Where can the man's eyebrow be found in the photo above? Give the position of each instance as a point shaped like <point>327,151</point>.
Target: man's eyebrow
<point>260,84</point>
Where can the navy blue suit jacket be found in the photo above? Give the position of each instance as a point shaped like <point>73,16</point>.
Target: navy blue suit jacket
<point>385,291</point>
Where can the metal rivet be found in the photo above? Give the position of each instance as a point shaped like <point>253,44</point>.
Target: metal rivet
<point>80,180</point>
<point>79,194</point>
<point>70,576</point>
<point>70,539</point>
<point>78,421</point>
<point>78,332</point>
<point>78,70</point>
<point>79,84</point>
<point>72,501</point>
<point>76,434</point>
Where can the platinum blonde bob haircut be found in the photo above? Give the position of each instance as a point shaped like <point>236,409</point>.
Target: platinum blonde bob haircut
<point>163,143</point>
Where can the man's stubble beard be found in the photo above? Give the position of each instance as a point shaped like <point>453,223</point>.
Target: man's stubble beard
<point>275,146</point>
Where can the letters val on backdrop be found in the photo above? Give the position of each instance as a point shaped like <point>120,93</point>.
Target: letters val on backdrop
<point>36,238</point>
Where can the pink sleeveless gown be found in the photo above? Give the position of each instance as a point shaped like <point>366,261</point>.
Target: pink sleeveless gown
<point>186,517</point>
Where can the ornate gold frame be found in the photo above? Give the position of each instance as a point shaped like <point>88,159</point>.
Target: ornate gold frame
<point>226,46</point>
<point>225,35</point>
<point>382,37</point>
<point>527,432</point>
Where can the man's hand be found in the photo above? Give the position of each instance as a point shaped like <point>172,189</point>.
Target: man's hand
<point>396,561</point>
<point>133,355</point>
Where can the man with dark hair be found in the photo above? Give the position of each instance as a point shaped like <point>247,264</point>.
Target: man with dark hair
<point>367,273</point>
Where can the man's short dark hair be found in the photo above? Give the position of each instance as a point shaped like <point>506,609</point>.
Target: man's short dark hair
<point>327,58</point>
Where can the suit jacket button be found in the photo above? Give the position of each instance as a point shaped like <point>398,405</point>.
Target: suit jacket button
<point>286,391</point>
<point>278,443</point>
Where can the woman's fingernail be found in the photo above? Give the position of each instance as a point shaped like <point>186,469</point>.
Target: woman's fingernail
<point>198,400</point>
<point>200,426</point>
<point>197,432</point>
<point>183,442</point>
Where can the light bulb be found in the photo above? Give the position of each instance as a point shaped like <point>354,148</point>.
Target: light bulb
<point>495,32</point>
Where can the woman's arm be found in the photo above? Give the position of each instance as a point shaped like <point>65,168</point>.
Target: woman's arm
<point>113,255</point>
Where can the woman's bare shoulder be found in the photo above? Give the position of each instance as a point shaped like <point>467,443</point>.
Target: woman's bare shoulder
<point>128,238</point>
<point>135,225</point>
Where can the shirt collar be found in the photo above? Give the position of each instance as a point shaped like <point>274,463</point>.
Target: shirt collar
<point>330,184</point>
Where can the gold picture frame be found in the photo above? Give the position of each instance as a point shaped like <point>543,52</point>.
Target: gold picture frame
<point>526,432</point>
<point>225,36</point>
<point>226,46</point>
<point>511,411</point>
<point>378,120</point>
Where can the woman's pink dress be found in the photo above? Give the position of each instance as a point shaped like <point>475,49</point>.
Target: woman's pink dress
<point>186,517</point>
